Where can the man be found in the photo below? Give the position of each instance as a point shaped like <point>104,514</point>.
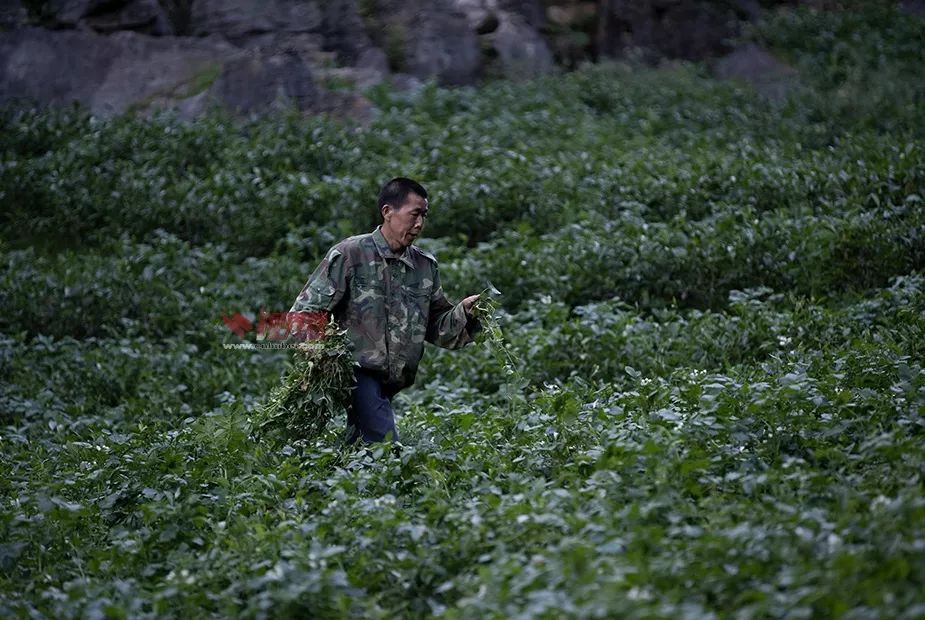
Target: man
<point>386,293</point>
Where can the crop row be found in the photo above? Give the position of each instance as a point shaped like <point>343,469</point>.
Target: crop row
<point>597,342</point>
<point>788,490</point>
<point>698,263</point>
<point>66,381</point>
<point>167,288</point>
<point>71,179</point>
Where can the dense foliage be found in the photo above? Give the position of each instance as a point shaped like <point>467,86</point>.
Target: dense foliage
<point>710,400</point>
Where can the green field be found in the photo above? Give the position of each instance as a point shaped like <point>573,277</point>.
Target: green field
<point>715,307</point>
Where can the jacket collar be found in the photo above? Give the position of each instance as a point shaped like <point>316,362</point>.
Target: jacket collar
<point>385,251</point>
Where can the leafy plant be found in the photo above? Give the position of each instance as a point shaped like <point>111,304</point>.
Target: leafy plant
<point>701,394</point>
<point>315,390</point>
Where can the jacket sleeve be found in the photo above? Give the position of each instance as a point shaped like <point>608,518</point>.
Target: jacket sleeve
<point>325,287</point>
<point>447,324</point>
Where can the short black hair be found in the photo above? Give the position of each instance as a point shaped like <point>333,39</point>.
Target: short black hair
<point>396,191</point>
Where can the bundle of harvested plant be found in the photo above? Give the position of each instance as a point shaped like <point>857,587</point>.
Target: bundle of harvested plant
<point>315,389</point>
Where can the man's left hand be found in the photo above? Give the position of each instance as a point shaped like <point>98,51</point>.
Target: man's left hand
<point>468,302</point>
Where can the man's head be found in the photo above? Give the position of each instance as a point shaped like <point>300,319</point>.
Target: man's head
<point>403,206</point>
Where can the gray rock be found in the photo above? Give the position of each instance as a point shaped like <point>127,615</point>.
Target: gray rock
<point>254,82</point>
<point>457,41</point>
<point>533,12</point>
<point>429,39</point>
<point>129,71</point>
<point>439,44</point>
<point>757,66</point>
<point>157,72</point>
<point>309,46</point>
<point>68,13</point>
<point>139,15</point>
<point>345,33</point>
<point>521,50</point>
<point>482,15</point>
<point>53,68</point>
<point>373,59</point>
<point>318,31</point>
<point>239,20</point>
<point>371,69</point>
<point>106,16</point>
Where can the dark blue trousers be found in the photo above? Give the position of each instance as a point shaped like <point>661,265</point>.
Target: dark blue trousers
<point>370,416</point>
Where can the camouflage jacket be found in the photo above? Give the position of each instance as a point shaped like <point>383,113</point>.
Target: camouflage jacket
<point>389,304</point>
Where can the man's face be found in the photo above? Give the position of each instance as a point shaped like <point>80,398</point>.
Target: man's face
<point>405,223</point>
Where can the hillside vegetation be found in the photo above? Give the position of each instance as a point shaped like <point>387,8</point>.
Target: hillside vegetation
<point>714,308</point>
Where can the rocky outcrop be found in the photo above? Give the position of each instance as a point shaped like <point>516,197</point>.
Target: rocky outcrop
<point>129,71</point>
<point>439,44</point>
<point>509,36</point>
<point>533,12</point>
<point>319,33</point>
<point>428,40</point>
<point>140,16</point>
<point>521,50</point>
<point>240,21</point>
<point>275,27</point>
<point>105,16</point>
<point>248,55</point>
<point>53,68</point>
<point>346,36</point>
<point>482,15</point>
<point>254,82</point>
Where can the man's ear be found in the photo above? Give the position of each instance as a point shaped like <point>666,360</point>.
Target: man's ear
<point>385,210</point>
